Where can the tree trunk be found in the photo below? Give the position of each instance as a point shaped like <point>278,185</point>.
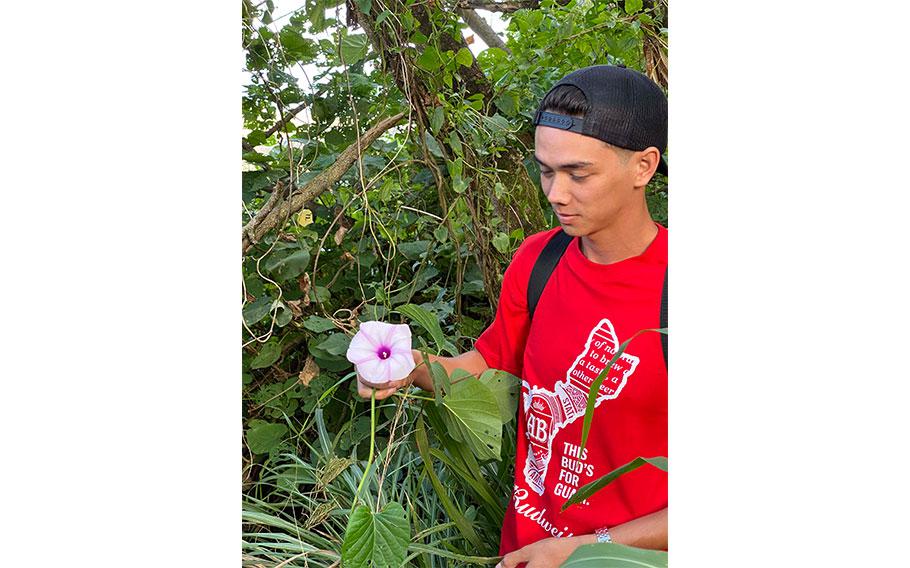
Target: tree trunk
<point>522,210</point>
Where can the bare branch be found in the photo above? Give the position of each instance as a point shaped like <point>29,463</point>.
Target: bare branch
<point>281,211</point>
<point>286,118</point>
<point>481,28</point>
<point>493,6</point>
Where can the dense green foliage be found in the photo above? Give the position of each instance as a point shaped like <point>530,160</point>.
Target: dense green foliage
<point>418,230</point>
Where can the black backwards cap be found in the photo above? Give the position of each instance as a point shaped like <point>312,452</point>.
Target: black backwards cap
<point>625,109</point>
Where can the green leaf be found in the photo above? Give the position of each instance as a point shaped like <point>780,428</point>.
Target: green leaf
<point>269,353</point>
<point>262,437</point>
<point>376,539</point>
<point>429,60</point>
<point>318,324</point>
<point>354,48</point>
<point>507,103</point>
<point>610,555</point>
<point>426,320</point>
<point>365,5</point>
<point>255,157</point>
<point>464,57</point>
<point>498,124</point>
<point>382,16</point>
<point>423,447</point>
<point>441,383</point>
<point>316,16</point>
<point>437,119</point>
<point>633,6</point>
<point>336,344</point>
<point>256,310</point>
<point>588,489</point>
<point>413,250</point>
<point>501,242</point>
<point>455,143</point>
<point>441,233</point>
<point>505,388</point>
<point>432,144</point>
<point>459,184</point>
<point>283,316</point>
<point>473,418</point>
<point>297,46</point>
<point>286,263</point>
<point>254,181</point>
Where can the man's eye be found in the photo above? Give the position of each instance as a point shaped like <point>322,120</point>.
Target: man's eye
<point>578,178</point>
<point>546,173</point>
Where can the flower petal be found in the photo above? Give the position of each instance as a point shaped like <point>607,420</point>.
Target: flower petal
<point>399,340</point>
<point>366,342</point>
<point>373,332</point>
<point>400,365</point>
<point>361,355</point>
<point>375,371</point>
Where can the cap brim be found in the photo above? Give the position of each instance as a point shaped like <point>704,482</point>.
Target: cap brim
<point>662,166</point>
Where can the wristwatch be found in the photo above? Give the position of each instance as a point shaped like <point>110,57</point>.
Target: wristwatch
<point>603,535</point>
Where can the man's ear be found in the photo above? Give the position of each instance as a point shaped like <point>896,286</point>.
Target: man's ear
<point>646,163</point>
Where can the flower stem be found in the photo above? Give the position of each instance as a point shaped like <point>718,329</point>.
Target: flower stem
<point>372,444</point>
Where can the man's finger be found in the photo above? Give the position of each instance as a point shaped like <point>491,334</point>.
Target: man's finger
<point>388,385</point>
<point>384,393</point>
<point>366,392</point>
<point>513,559</point>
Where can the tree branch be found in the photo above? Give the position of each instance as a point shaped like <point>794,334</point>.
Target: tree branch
<point>286,118</point>
<point>493,6</point>
<point>481,28</point>
<point>281,211</point>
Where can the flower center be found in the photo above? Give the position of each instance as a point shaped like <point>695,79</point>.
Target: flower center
<point>384,352</point>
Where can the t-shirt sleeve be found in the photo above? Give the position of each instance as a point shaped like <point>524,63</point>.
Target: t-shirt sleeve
<point>502,345</point>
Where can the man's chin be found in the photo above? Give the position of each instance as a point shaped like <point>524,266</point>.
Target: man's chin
<point>572,230</point>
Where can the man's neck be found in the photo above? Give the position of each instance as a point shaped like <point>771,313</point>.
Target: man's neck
<point>627,238</point>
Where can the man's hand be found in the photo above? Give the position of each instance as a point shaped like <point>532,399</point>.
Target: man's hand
<point>471,361</point>
<point>384,390</point>
<point>546,553</point>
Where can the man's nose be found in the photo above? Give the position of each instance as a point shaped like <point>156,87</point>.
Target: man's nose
<point>559,190</point>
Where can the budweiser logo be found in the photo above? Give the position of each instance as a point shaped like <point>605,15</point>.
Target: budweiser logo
<point>547,412</point>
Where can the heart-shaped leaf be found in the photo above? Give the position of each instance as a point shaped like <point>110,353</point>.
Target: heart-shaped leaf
<point>263,436</point>
<point>269,353</point>
<point>376,539</point>
<point>473,417</point>
<point>505,388</point>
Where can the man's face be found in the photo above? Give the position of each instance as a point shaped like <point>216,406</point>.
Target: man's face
<point>588,183</point>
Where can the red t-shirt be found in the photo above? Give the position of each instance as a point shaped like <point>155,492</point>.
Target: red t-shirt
<point>585,312</point>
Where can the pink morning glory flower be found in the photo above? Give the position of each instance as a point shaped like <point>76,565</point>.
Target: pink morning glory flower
<point>381,352</point>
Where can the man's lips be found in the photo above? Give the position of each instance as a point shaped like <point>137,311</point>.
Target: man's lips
<point>565,216</point>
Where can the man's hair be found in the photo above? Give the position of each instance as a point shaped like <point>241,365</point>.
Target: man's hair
<point>571,101</point>
<point>566,99</point>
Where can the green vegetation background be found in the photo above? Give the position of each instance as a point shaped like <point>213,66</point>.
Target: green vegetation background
<point>415,226</point>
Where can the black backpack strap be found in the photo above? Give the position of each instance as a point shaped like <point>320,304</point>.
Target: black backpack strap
<point>544,266</point>
<point>663,313</point>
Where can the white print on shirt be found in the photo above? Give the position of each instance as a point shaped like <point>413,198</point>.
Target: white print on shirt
<point>549,412</point>
<point>527,511</point>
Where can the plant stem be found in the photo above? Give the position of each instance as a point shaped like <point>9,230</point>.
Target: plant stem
<point>372,445</point>
<point>408,395</point>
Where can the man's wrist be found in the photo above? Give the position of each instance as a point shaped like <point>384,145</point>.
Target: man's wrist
<point>420,376</point>
<point>603,535</point>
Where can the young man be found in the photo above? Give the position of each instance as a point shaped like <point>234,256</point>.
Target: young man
<point>600,135</point>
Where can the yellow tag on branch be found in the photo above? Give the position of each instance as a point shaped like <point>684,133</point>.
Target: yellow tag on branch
<point>305,217</point>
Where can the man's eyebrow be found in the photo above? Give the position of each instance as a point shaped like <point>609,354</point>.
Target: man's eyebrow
<point>567,166</point>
